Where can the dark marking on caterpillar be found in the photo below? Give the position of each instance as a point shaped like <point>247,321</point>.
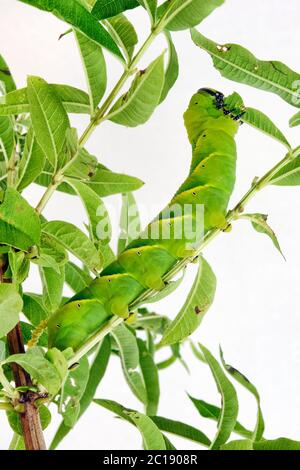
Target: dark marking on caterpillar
<point>197,310</point>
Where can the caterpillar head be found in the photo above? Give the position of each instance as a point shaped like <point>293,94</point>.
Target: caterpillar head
<point>208,108</point>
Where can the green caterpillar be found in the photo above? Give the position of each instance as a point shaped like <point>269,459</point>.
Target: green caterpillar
<point>211,129</point>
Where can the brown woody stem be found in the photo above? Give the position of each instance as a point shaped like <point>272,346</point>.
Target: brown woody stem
<point>30,418</point>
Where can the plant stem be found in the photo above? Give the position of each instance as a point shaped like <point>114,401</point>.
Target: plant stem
<point>30,418</point>
<point>100,114</point>
<point>231,215</point>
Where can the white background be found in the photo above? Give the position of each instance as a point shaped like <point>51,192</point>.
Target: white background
<point>255,315</point>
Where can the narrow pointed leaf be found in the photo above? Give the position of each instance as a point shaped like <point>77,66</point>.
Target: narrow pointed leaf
<point>53,283</point>
<point>99,223</point>
<point>282,443</point>
<point>152,437</point>
<point>75,241</point>
<point>20,225</point>
<point>129,355</point>
<point>151,7</point>
<point>7,143</point>
<point>261,121</point>
<point>239,444</point>
<point>105,183</point>
<point>49,118</point>
<point>181,429</point>
<point>32,161</point>
<point>240,65</point>
<point>289,175</point>
<point>137,105</point>
<point>151,378</point>
<point>183,14</point>
<point>196,305</point>
<point>207,410</point>
<point>107,8</point>
<point>123,32</point>
<point>94,67</point>
<point>295,120</point>
<point>172,71</point>
<point>229,410</point>
<point>260,425</point>
<point>73,100</point>
<point>259,223</point>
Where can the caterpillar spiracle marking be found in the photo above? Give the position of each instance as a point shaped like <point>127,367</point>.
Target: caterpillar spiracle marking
<point>211,128</point>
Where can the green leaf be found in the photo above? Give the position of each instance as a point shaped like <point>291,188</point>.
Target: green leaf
<point>129,355</point>
<point>107,8</point>
<point>73,100</point>
<point>151,379</point>
<point>259,223</point>
<point>53,283</point>
<point>6,76</point>
<point>99,223</point>
<point>123,33</point>
<point>76,278</point>
<point>282,443</point>
<point>7,142</point>
<point>213,412</point>
<point>238,444</point>
<point>151,7</point>
<point>50,248</point>
<point>289,175</point>
<point>94,67</point>
<point>130,223</point>
<point>75,241</point>
<point>49,119</point>
<point>240,65</point>
<point>10,307</point>
<point>229,411</point>
<point>39,368</point>
<point>57,358</point>
<point>261,121</point>
<point>152,437</point>
<point>97,371</point>
<point>181,429</point>
<point>34,308</point>
<point>183,14</point>
<point>19,223</point>
<point>172,71</point>
<point>73,390</point>
<point>295,120</point>
<point>137,105</point>
<point>76,15</point>
<point>83,167</point>
<point>32,161</point>
<point>19,266</point>
<point>196,305</point>
<point>15,421</point>
<point>105,183</point>
<point>260,425</point>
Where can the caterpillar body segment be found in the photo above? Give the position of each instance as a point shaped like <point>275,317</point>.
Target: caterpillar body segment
<point>211,128</point>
